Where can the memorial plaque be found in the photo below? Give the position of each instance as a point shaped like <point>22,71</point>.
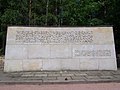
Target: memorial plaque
<point>62,48</point>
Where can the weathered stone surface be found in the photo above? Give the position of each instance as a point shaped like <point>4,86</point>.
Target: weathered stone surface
<point>104,65</point>
<point>64,78</point>
<point>47,77</point>
<point>67,74</point>
<point>89,64</point>
<point>69,65</point>
<point>40,48</point>
<point>51,64</point>
<point>16,52</point>
<point>54,75</point>
<point>61,51</point>
<point>78,78</point>
<point>13,65</point>
<point>38,51</point>
<point>32,65</point>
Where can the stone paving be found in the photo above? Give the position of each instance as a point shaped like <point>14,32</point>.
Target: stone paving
<point>47,77</point>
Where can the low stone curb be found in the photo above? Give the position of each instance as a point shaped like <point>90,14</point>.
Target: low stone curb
<point>43,83</point>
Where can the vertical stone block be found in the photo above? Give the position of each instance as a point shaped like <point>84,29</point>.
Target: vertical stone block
<point>61,51</point>
<point>13,65</point>
<point>67,64</point>
<point>16,52</point>
<point>89,64</point>
<point>107,64</point>
<point>38,51</point>
<point>32,65</point>
<point>52,64</point>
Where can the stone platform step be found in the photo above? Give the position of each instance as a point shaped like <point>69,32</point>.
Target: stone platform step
<point>53,77</point>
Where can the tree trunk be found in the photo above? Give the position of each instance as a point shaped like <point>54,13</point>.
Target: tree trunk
<point>61,13</point>
<point>56,12</point>
<point>47,5</point>
<point>30,7</point>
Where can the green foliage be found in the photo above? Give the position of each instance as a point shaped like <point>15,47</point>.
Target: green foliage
<point>95,22</point>
<point>1,51</point>
<point>11,17</point>
<point>1,33</point>
<point>67,12</point>
<point>60,13</point>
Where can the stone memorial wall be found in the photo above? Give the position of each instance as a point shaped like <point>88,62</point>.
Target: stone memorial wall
<point>52,48</point>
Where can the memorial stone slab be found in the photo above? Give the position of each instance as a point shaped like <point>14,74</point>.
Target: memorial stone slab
<point>60,48</point>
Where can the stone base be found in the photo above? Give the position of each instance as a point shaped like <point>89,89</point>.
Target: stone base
<point>60,64</point>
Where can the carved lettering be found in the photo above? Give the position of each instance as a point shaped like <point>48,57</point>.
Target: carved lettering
<point>93,53</point>
<point>59,37</point>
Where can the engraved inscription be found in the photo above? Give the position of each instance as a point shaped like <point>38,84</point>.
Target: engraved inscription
<point>92,53</point>
<point>61,37</point>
